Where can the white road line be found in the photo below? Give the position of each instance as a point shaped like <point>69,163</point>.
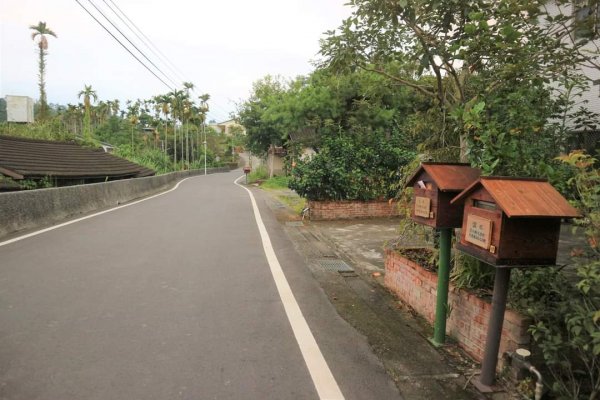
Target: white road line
<point>320,373</point>
<point>51,228</point>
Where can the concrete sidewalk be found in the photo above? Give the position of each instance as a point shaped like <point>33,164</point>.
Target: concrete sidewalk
<point>346,257</point>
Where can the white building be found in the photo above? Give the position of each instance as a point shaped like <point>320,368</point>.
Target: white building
<point>585,23</point>
<point>228,127</point>
<point>19,109</point>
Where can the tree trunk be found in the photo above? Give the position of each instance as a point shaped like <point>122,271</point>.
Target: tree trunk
<point>42,84</point>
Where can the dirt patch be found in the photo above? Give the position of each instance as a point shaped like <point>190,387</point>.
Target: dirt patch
<point>425,257</point>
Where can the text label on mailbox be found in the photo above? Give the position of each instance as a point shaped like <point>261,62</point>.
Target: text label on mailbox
<point>422,206</point>
<point>479,231</point>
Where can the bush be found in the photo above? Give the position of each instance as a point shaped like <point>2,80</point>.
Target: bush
<point>150,158</point>
<point>348,168</point>
<point>259,173</point>
<point>566,314</point>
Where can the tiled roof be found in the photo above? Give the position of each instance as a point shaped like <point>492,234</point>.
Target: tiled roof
<point>523,197</point>
<point>22,158</point>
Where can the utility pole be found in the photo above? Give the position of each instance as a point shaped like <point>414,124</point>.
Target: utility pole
<point>204,130</point>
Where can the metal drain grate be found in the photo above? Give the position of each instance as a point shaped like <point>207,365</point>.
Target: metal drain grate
<point>335,265</point>
<point>294,223</point>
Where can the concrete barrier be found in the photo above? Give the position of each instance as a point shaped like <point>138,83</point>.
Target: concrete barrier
<point>33,209</point>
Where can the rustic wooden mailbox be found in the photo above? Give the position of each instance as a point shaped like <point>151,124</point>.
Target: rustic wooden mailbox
<point>512,221</point>
<point>435,185</point>
<point>509,222</point>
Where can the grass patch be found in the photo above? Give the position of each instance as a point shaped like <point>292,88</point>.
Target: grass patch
<point>292,201</point>
<point>276,182</point>
<point>259,173</point>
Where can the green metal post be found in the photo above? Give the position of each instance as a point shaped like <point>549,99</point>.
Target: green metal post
<point>441,306</point>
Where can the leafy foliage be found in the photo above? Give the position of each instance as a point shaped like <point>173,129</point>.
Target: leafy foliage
<point>258,173</point>
<point>347,168</point>
<point>262,132</point>
<point>150,158</point>
<point>472,274</point>
<point>482,58</point>
<point>566,315</point>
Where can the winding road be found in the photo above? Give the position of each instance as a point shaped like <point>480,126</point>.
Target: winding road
<point>193,294</point>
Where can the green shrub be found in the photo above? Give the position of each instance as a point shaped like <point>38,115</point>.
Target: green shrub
<point>150,158</point>
<point>351,168</point>
<point>258,173</point>
<point>470,273</point>
<point>566,314</point>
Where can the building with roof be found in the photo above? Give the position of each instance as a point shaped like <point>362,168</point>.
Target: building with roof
<point>228,127</point>
<point>65,163</point>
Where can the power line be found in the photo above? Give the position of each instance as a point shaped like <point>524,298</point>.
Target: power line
<point>165,59</point>
<point>125,47</point>
<point>130,42</point>
<point>151,46</point>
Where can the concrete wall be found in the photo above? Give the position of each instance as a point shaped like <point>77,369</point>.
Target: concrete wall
<point>33,209</point>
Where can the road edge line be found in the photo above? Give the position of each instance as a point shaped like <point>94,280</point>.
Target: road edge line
<point>321,375</point>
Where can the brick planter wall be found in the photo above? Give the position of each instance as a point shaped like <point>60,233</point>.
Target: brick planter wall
<point>469,314</point>
<point>331,210</point>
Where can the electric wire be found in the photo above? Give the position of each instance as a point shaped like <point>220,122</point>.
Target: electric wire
<point>125,47</point>
<point>150,45</point>
<point>130,42</point>
<point>147,42</point>
<point>217,115</point>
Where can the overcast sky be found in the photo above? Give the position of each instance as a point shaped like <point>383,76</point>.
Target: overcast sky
<point>221,46</point>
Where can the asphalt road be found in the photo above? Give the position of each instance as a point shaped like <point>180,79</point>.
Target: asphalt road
<point>170,298</point>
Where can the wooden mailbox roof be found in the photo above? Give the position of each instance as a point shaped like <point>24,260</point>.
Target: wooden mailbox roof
<point>523,197</point>
<point>449,177</point>
<point>22,158</point>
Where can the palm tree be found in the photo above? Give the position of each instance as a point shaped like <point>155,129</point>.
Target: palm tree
<point>115,107</point>
<point>177,98</point>
<point>103,111</point>
<point>133,111</point>
<point>164,104</point>
<point>40,31</point>
<point>188,86</point>
<point>88,93</point>
<point>203,111</point>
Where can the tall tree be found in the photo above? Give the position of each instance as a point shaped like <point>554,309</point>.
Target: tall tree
<point>459,54</point>
<point>262,133</point>
<point>177,98</point>
<point>202,111</point>
<point>40,31</point>
<point>187,114</point>
<point>88,94</point>
<point>165,102</point>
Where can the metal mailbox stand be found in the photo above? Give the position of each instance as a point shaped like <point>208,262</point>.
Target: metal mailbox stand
<point>441,301</point>
<point>246,172</point>
<point>506,225</point>
<point>494,332</point>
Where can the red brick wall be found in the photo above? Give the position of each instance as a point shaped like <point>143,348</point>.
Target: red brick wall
<point>330,210</point>
<point>469,314</point>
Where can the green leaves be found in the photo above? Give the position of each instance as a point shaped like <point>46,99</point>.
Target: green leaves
<point>351,168</point>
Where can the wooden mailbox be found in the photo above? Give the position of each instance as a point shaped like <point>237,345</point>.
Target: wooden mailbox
<point>512,221</point>
<point>435,185</point>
